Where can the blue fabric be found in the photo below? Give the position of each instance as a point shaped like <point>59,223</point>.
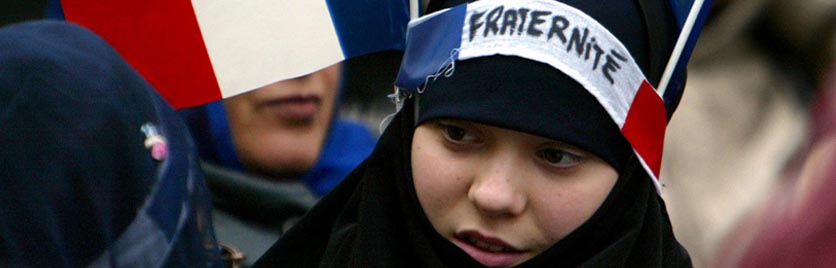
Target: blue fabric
<point>219,129</point>
<point>675,89</point>
<point>54,10</point>
<point>365,26</point>
<point>431,47</point>
<point>680,9</point>
<point>76,176</point>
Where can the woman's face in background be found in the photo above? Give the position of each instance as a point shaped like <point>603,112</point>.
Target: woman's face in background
<point>280,128</point>
<point>504,196</point>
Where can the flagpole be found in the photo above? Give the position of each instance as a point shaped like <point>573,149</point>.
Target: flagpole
<point>396,96</point>
<point>680,45</point>
<point>414,6</point>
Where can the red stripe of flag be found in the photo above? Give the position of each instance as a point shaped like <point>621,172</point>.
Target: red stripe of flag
<point>645,126</point>
<point>161,39</point>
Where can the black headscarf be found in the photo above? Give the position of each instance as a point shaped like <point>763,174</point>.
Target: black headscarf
<point>374,219</point>
<point>97,169</point>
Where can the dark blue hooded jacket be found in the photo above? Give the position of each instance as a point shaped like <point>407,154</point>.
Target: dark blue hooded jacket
<point>97,169</point>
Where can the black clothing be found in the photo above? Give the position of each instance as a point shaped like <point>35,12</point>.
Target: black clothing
<point>250,213</point>
<point>489,90</point>
<point>374,219</point>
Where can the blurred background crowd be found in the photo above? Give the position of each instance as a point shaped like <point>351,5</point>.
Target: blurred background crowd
<point>756,100</point>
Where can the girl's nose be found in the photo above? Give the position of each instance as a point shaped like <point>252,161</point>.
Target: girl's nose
<point>496,190</point>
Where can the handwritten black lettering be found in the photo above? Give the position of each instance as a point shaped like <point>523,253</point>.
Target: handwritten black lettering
<point>536,19</point>
<point>610,65</point>
<point>475,23</point>
<point>598,53</point>
<point>510,20</point>
<point>587,44</point>
<point>523,16</point>
<point>559,24</point>
<point>492,19</point>
<point>577,40</point>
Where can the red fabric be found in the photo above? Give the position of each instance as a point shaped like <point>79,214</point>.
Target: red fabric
<point>161,39</point>
<point>645,126</point>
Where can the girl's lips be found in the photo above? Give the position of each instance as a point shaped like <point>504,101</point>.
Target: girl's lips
<point>490,251</point>
<point>298,109</point>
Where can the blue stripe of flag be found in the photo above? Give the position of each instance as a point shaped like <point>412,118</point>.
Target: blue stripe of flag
<point>429,46</point>
<point>366,26</point>
<point>681,9</point>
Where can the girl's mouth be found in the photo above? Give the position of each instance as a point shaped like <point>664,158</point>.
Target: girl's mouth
<point>489,251</point>
<point>488,246</point>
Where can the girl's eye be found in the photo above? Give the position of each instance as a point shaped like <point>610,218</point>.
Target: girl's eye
<point>558,158</point>
<point>457,134</point>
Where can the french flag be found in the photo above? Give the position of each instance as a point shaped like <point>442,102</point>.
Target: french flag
<point>197,51</point>
<point>436,41</point>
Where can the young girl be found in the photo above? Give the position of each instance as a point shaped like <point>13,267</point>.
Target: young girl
<point>529,136</point>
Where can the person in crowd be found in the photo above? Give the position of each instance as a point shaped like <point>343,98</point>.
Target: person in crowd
<point>281,130</point>
<point>751,82</point>
<point>508,150</point>
<point>269,155</point>
<point>793,226</point>
<point>98,170</point>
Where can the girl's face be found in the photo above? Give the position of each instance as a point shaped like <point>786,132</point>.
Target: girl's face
<point>500,195</point>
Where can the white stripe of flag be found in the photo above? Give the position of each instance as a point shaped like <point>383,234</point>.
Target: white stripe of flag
<point>256,42</point>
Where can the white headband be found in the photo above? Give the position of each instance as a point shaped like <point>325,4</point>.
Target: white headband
<point>552,33</point>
